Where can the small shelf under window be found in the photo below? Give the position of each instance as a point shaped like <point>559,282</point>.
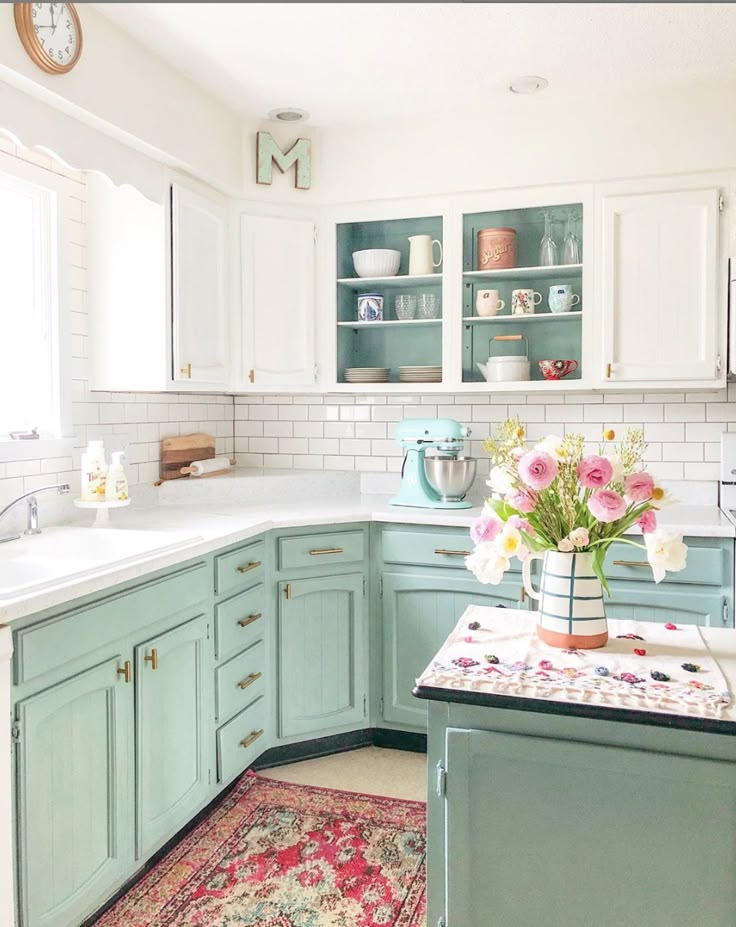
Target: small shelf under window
<point>528,273</point>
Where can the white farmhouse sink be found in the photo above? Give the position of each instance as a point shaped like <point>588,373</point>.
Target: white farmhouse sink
<point>35,562</point>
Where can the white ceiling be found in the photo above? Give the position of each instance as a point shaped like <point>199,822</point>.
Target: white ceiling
<point>349,63</point>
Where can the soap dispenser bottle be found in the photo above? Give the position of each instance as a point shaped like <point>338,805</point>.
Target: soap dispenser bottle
<point>116,486</point>
<point>94,468</point>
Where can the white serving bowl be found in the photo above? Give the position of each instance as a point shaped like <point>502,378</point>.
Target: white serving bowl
<point>376,262</point>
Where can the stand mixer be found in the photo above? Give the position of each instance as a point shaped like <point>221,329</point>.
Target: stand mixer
<point>435,482</point>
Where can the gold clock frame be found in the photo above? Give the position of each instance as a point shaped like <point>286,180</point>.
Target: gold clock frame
<point>24,25</point>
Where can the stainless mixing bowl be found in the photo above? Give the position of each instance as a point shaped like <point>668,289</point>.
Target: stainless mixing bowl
<point>451,477</point>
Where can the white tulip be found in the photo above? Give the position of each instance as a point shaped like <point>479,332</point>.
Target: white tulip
<point>502,481</point>
<point>487,564</point>
<point>617,466</point>
<point>509,541</point>
<point>665,552</point>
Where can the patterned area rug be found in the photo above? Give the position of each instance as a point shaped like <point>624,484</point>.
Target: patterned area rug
<point>274,854</point>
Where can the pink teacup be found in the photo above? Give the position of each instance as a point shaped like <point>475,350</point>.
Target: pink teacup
<point>557,369</point>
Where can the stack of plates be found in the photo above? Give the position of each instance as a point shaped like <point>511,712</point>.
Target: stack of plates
<point>420,374</point>
<point>367,374</point>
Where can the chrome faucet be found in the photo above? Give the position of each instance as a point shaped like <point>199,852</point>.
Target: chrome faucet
<point>30,497</point>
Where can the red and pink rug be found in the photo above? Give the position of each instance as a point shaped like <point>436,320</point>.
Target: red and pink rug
<point>275,854</point>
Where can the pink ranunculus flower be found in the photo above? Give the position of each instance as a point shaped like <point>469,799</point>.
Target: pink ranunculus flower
<point>538,470</point>
<point>521,524</point>
<point>525,500</point>
<point>485,528</point>
<point>607,505</point>
<point>594,472</point>
<point>639,487</point>
<point>647,522</point>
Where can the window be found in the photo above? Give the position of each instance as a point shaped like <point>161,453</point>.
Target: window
<point>29,335</point>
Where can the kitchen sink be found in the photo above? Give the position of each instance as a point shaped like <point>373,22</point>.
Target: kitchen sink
<point>35,562</point>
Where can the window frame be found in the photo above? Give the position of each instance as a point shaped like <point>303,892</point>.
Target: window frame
<point>57,191</point>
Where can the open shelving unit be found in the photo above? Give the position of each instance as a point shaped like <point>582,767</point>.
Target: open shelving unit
<point>549,335</point>
<point>392,342</point>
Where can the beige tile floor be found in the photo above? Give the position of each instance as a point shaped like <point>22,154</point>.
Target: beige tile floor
<point>373,770</point>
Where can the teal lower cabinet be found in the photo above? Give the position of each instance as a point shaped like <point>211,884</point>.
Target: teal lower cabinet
<point>418,611</point>
<point>74,795</point>
<point>322,653</point>
<point>174,705</point>
<point>560,820</point>
<point>669,602</point>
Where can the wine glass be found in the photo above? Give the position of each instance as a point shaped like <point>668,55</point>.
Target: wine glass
<point>547,246</point>
<point>571,245</point>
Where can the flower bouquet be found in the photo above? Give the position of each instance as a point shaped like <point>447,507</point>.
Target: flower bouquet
<point>555,502</point>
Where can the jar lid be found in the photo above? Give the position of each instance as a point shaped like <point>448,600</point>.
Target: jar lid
<point>502,229</point>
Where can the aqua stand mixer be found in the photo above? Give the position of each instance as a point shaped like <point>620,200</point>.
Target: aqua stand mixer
<point>439,481</point>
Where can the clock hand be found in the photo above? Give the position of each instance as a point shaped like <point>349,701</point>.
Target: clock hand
<point>53,24</point>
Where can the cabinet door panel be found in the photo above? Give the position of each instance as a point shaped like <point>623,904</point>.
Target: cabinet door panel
<point>174,712</point>
<point>199,303</point>
<point>322,669</point>
<point>662,604</point>
<point>558,803</point>
<point>418,614</point>
<point>659,277</point>
<point>277,267</point>
<point>74,802</point>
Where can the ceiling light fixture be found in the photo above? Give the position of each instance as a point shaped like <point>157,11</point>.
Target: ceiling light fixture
<point>288,114</point>
<point>528,84</point>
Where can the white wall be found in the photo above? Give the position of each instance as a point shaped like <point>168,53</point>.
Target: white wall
<point>532,140</point>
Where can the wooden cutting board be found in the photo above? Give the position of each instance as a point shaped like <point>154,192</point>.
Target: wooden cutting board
<point>180,452</point>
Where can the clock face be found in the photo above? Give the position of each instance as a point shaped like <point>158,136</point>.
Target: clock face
<point>50,33</point>
<point>57,32</point>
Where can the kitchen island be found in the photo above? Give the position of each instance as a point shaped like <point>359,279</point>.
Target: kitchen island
<point>575,810</point>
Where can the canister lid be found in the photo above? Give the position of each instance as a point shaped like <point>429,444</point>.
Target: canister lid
<point>497,229</point>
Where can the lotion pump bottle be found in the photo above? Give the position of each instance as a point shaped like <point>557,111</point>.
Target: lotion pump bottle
<point>116,486</point>
<point>94,469</point>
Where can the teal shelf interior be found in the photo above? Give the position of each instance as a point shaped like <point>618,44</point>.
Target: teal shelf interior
<point>546,342</point>
<point>388,347</point>
<point>505,287</point>
<point>529,225</point>
<point>347,299</point>
<point>389,233</point>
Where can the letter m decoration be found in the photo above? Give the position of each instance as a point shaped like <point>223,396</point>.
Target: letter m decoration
<point>300,154</point>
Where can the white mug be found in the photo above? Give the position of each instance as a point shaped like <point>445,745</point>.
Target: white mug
<point>523,302</point>
<point>487,303</point>
<point>561,298</point>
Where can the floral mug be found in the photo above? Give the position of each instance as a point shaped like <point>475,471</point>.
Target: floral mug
<point>557,369</point>
<point>523,302</point>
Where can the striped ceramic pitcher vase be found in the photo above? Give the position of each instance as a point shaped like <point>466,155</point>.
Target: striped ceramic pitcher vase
<point>570,596</point>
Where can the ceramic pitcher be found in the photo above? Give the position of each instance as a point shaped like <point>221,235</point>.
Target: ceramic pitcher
<point>421,256</point>
<point>571,611</point>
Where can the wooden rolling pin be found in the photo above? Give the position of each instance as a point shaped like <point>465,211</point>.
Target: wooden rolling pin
<point>211,467</point>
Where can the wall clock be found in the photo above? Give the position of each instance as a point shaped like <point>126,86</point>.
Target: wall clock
<point>51,34</point>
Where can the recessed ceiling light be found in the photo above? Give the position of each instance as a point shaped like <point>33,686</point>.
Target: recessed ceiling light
<point>528,84</point>
<point>288,114</point>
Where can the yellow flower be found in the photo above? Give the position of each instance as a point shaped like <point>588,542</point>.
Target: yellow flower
<point>520,432</point>
<point>609,434</point>
<point>657,493</point>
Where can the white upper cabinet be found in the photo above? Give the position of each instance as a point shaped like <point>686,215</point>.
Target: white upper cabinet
<point>200,313</point>
<point>661,296</point>
<point>278,321</point>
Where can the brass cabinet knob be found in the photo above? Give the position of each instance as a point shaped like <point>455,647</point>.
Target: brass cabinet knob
<point>249,680</point>
<point>152,659</point>
<point>254,735</point>
<point>249,566</point>
<point>244,622</point>
<point>125,671</point>
<point>187,371</point>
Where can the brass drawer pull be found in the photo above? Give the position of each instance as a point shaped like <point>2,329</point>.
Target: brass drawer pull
<point>125,671</point>
<point>254,735</point>
<point>326,550</point>
<point>153,659</point>
<point>523,595</point>
<point>249,566</point>
<point>249,680</point>
<point>452,553</point>
<point>631,563</point>
<point>287,592</point>
<point>244,622</point>
<point>187,371</point>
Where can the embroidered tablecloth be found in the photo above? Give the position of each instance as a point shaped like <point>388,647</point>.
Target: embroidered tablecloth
<point>653,667</point>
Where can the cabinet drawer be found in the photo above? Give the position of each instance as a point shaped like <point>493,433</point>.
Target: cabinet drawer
<point>239,681</point>
<point>705,566</point>
<point>415,548</point>
<point>239,569</point>
<point>70,635</point>
<point>239,621</point>
<point>320,550</point>
<point>241,740</point>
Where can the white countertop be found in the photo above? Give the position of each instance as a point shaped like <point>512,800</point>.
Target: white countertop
<point>224,512</point>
